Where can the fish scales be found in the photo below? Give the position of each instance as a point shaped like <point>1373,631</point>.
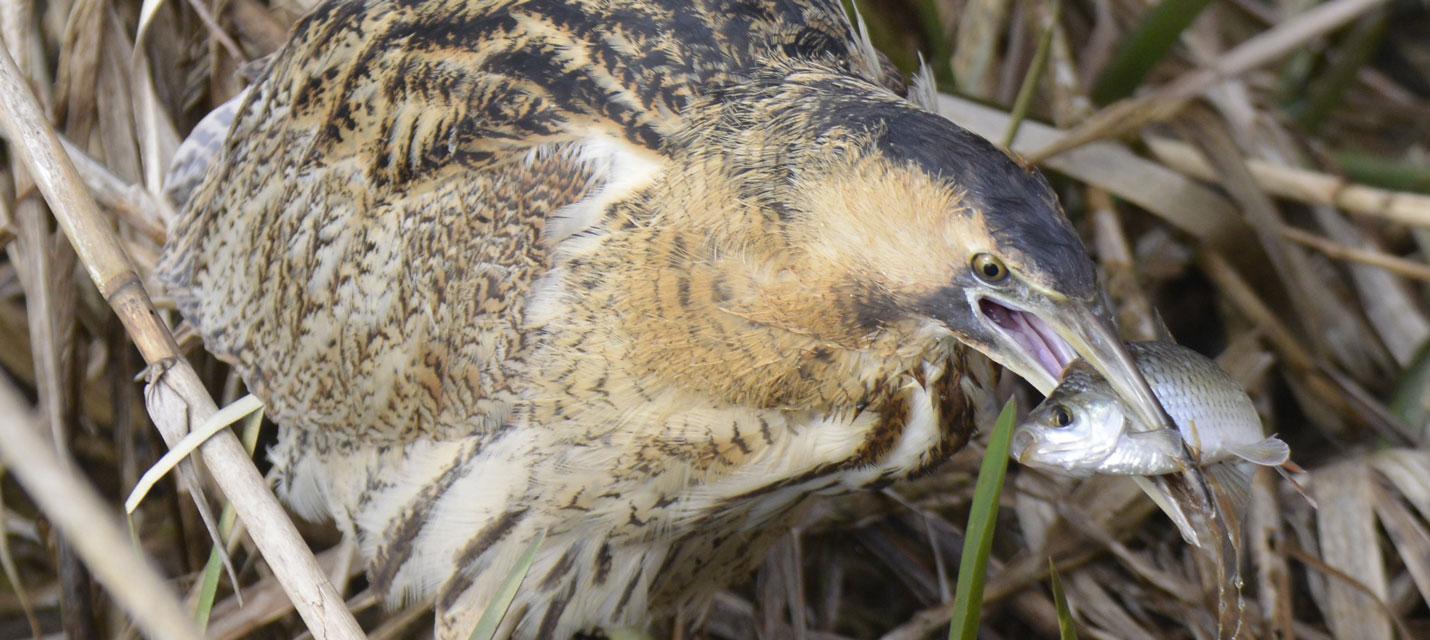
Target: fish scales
<point>1082,428</point>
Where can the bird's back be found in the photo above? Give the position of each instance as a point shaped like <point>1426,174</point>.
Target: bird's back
<point>364,247</point>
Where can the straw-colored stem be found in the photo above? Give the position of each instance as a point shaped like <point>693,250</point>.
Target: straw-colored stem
<point>1398,266</point>
<point>1236,289</point>
<point>81,515</point>
<point>1137,315</point>
<point>1302,185</point>
<point>35,142</point>
<point>131,202</point>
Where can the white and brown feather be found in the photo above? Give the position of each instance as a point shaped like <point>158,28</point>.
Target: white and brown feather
<point>504,267</point>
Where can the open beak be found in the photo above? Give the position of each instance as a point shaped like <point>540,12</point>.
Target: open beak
<point>1038,344</point>
<point>1096,341</point>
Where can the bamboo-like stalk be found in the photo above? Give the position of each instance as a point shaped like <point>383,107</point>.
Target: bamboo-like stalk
<point>1302,185</point>
<point>87,523</point>
<point>36,143</point>
<point>133,203</point>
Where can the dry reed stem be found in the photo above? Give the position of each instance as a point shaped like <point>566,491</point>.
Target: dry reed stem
<point>979,29</point>
<point>290,559</point>
<point>1397,265</point>
<point>1387,306</point>
<point>1339,392</point>
<point>50,318</point>
<point>1320,321</point>
<point>87,523</point>
<point>1303,185</point>
<point>263,602</point>
<point>1136,315</point>
<point>1125,116</point>
<point>134,204</point>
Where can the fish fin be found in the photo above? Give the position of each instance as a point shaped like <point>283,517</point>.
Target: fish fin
<point>1164,501</point>
<point>1231,485</point>
<point>1167,442</point>
<point>1271,452</point>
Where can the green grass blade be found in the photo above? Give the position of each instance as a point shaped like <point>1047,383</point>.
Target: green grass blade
<point>1066,629</point>
<point>1024,101</point>
<point>1356,50</point>
<point>208,582</point>
<point>1411,400</point>
<point>208,585</point>
<point>1386,173</point>
<point>492,616</point>
<point>1148,45</point>
<point>978,535</point>
<point>940,48</point>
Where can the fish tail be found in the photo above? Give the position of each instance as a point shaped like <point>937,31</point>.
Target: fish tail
<point>1231,485</point>
<point>1271,452</point>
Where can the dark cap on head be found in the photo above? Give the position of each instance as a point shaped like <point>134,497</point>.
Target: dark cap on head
<point>1015,202</point>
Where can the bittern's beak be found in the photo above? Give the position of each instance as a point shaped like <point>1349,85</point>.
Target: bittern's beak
<point>1096,341</point>
<point>1040,336</point>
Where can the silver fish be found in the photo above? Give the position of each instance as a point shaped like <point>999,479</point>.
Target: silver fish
<point>1197,474</point>
<point>1083,429</point>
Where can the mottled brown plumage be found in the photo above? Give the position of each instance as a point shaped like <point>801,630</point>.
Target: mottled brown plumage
<point>643,274</point>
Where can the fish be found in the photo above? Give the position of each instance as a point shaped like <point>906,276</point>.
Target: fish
<point>1197,474</point>
<point>1082,428</point>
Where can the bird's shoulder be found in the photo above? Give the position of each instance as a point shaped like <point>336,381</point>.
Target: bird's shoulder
<point>365,243</point>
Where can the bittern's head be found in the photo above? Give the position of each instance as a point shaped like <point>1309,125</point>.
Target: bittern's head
<point>924,223</point>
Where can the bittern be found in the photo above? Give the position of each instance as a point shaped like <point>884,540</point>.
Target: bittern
<point>644,275</point>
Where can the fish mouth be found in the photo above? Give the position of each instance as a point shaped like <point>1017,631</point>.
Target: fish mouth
<point>1022,446</point>
<point>1037,339</point>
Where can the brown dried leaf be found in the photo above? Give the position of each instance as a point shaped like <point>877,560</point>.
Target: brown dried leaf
<point>1349,542</point>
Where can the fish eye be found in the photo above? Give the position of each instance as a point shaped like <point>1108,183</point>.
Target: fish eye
<point>1062,417</point>
<point>989,268</point>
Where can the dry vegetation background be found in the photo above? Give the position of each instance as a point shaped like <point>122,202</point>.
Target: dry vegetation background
<point>1256,182</point>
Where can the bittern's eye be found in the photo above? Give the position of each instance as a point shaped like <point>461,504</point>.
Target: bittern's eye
<point>1062,417</point>
<point>989,268</point>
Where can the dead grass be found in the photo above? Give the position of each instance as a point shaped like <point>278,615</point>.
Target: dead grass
<point>1262,193</point>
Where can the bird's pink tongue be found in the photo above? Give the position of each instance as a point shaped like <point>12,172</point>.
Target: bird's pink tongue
<point>1033,334</point>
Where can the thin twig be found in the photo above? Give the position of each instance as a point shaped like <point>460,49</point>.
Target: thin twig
<point>289,558</point>
<point>1344,394</point>
<point>216,30</point>
<point>1393,264</point>
<point>49,307</point>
